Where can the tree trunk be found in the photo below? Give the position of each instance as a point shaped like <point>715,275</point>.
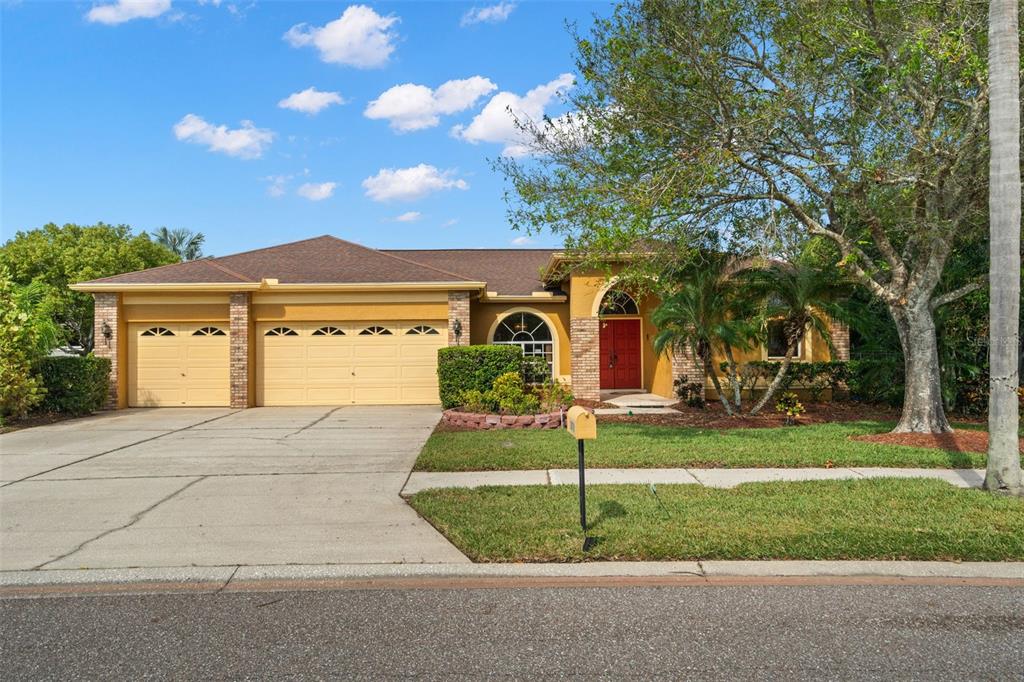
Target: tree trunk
<point>734,378</point>
<point>1003,473</point>
<point>922,388</point>
<point>777,381</point>
<point>718,386</point>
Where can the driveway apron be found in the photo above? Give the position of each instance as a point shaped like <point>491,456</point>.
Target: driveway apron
<point>216,487</point>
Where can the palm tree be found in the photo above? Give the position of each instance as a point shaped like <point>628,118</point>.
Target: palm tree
<point>797,296</point>
<point>187,244</point>
<point>1003,472</point>
<point>701,316</point>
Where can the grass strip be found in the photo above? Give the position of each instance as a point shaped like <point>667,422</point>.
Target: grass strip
<point>912,519</point>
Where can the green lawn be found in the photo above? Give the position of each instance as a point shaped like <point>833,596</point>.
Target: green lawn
<point>861,519</point>
<point>640,446</point>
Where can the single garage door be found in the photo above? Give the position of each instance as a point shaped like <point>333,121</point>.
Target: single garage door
<point>348,363</point>
<point>173,364</point>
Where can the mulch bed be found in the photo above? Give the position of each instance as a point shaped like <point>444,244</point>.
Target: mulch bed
<point>958,441</point>
<point>714,416</point>
<point>36,419</point>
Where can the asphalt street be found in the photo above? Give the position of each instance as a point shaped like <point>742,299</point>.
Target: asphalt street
<point>731,632</point>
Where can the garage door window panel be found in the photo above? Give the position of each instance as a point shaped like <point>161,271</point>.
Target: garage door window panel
<point>281,331</point>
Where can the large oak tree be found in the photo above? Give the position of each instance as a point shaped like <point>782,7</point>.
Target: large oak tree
<point>763,123</point>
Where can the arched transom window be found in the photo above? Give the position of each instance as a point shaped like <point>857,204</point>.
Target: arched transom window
<point>529,332</point>
<point>375,331</point>
<point>328,331</point>
<point>618,303</point>
<point>158,331</point>
<point>422,330</point>
<point>281,331</point>
<point>209,331</point>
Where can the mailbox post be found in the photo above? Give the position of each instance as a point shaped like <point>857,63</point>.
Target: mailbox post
<point>581,425</point>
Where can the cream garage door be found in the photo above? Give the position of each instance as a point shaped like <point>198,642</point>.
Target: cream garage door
<point>348,363</point>
<point>173,364</point>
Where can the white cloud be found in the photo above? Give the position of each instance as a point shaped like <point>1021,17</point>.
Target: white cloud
<point>491,15</point>
<point>126,10</point>
<point>246,142</point>
<point>359,37</point>
<point>408,217</point>
<point>407,184</point>
<point>414,107</point>
<point>496,121</point>
<point>316,191</point>
<point>450,222</point>
<point>277,186</point>
<point>310,101</point>
<point>522,241</point>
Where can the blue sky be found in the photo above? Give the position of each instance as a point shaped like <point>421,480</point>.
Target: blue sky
<point>200,115</point>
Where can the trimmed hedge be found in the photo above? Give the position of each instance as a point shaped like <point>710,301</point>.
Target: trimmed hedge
<point>74,384</point>
<point>465,368</point>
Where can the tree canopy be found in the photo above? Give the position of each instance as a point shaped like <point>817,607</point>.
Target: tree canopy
<point>56,256</point>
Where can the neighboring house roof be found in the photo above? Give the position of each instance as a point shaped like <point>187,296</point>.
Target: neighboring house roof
<point>508,272</point>
<point>328,260</point>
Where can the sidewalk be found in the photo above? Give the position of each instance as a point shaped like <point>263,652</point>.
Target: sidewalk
<point>713,478</point>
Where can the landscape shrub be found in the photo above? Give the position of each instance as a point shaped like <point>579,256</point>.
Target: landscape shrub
<point>74,384</point>
<point>816,377</point>
<point>690,392</point>
<point>510,395</point>
<point>791,406</point>
<point>554,395</point>
<point>876,380</point>
<point>20,388</point>
<point>465,368</point>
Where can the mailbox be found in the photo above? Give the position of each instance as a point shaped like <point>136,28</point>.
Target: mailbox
<point>581,424</point>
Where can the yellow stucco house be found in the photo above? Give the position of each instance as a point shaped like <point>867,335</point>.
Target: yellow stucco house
<point>326,321</point>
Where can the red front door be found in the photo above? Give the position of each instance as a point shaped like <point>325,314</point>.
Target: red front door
<point>620,354</point>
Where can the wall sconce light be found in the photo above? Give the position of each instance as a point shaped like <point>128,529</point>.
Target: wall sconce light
<point>107,332</point>
<point>457,329</point>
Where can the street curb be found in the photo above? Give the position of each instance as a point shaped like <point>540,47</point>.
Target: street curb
<point>221,578</point>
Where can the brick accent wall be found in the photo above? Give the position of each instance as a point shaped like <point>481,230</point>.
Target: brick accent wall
<point>841,340</point>
<point>686,364</point>
<point>458,309</point>
<point>106,307</point>
<point>584,339</point>
<point>239,349</point>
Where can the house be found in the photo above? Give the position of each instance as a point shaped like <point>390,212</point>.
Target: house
<point>327,321</point>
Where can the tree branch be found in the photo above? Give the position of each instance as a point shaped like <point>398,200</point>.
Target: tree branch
<point>954,295</point>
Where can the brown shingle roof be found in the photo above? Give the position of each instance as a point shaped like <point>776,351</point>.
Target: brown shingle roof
<point>512,272</point>
<point>320,260</point>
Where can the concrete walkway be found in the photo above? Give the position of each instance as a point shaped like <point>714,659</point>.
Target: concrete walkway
<point>714,478</point>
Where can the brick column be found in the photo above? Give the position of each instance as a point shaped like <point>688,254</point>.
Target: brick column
<point>841,340</point>
<point>584,340</point>
<point>239,353</point>
<point>106,312</point>
<point>458,309</point>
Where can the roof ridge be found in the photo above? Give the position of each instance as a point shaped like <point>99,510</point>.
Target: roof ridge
<point>277,246</point>
<point>479,248</point>
<point>405,260</point>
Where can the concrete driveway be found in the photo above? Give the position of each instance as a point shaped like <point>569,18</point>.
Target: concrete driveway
<point>216,487</point>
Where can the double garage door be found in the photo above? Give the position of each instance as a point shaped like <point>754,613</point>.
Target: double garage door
<point>303,363</point>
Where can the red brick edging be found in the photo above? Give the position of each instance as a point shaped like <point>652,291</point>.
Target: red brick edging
<point>483,422</point>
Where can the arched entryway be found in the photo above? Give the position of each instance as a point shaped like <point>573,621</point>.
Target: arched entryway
<point>620,341</point>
